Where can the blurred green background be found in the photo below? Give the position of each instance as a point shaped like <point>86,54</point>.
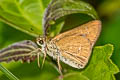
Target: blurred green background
<point>109,13</point>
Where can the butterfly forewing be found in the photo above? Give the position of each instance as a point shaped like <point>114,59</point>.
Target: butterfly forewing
<point>90,30</point>
<point>75,46</point>
<point>24,50</point>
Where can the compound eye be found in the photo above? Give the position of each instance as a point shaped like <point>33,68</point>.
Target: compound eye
<point>41,42</point>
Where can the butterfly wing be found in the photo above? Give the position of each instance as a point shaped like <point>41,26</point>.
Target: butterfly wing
<point>75,50</point>
<point>90,30</point>
<point>75,46</point>
<point>24,50</point>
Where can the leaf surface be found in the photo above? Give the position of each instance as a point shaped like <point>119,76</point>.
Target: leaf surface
<point>24,15</point>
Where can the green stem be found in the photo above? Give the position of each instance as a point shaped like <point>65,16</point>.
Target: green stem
<point>8,73</point>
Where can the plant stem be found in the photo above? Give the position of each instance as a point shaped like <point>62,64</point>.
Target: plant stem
<point>8,73</point>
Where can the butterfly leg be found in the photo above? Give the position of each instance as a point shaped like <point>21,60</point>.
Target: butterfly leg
<point>59,66</point>
<point>38,51</point>
<point>38,56</point>
<point>44,57</point>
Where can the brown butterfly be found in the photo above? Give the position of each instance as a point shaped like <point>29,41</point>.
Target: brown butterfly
<point>72,47</point>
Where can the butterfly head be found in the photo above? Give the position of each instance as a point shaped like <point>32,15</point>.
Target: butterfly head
<point>41,42</point>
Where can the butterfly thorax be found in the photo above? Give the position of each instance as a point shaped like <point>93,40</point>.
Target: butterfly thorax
<point>52,50</point>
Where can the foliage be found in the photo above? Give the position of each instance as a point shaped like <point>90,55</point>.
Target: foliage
<point>31,12</point>
<point>7,73</point>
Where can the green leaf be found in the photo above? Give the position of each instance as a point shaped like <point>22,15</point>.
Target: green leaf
<point>100,66</point>
<point>24,15</point>
<point>75,76</point>
<point>30,71</point>
<point>8,37</point>
<point>112,28</point>
<point>109,33</point>
<point>7,73</point>
<point>60,8</point>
